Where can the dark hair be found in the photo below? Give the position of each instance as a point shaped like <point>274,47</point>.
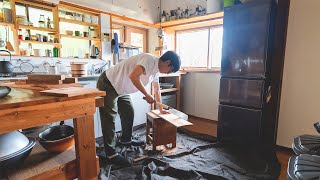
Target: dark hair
<point>175,61</point>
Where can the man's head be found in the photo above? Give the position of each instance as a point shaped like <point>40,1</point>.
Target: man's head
<point>169,62</point>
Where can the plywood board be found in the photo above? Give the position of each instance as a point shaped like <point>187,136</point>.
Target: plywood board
<point>68,92</point>
<point>171,118</point>
<point>47,77</point>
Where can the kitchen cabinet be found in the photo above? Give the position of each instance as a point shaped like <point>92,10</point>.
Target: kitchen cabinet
<point>173,78</point>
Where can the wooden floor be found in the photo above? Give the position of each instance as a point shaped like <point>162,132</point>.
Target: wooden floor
<point>209,127</point>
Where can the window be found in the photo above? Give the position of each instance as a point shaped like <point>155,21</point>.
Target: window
<point>137,40</point>
<point>200,48</point>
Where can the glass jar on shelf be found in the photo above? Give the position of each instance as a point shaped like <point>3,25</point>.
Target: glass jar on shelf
<point>7,11</point>
<point>42,21</point>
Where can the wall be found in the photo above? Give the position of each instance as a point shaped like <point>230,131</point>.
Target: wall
<point>200,94</point>
<point>144,10</point>
<point>300,97</point>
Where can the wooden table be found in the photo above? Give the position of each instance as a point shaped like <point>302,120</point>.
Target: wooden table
<point>24,108</point>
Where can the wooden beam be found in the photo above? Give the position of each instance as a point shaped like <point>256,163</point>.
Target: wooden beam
<point>85,147</point>
<point>195,19</point>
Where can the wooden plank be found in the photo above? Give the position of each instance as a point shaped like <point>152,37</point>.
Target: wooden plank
<point>78,22</point>
<point>48,77</point>
<point>68,92</point>
<point>40,161</point>
<point>36,115</point>
<point>173,119</point>
<point>70,80</point>
<point>85,147</point>
<point>218,15</point>
<point>43,81</point>
<point>37,28</point>
<point>42,164</point>
<point>80,37</point>
<point>19,97</point>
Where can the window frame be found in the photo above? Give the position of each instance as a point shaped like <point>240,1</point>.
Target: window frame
<point>209,67</point>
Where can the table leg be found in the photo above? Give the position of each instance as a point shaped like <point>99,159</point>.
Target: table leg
<point>85,147</point>
<point>147,131</point>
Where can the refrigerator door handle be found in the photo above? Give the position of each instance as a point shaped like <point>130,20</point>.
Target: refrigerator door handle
<point>268,94</point>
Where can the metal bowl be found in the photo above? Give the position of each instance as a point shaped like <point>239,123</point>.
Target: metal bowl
<point>4,91</point>
<point>15,148</point>
<point>57,138</point>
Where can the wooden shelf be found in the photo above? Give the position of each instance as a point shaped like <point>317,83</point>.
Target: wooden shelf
<point>37,42</point>
<point>169,90</point>
<point>6,24</point>
<point>37,28</point>
<point>218,15</point>
<point>78,22</point>
<point>80,37</point>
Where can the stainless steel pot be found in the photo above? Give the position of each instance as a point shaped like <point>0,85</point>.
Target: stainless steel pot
<point>5,66</point>
<point>14,148</point>
<point>4,91</point>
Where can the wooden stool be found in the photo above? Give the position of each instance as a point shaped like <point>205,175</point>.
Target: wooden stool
<point>163,132</point>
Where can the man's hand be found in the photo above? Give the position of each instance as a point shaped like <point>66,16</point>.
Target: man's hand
<point>149,99</point>
<point>164,111</point>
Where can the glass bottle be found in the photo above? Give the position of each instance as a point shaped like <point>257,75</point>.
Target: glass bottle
<point>55,52</point>
<point>48,23</point>
<point>20,34</point>
<point>41,21</point>
<point>7,11</point>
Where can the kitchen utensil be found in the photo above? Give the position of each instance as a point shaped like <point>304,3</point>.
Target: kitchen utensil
<point>15,148</point>
<point>2,43</point>
<point>36,52</point>
<point>4,91</point>
<point>77,33</point>
<point>48,53</point>
<point>57,138</point>
<point>174,111</point>
<point>5,66</point>
<point>94,52</point>
<point>166,85</point>
<point>68,32</point>
<point>53,70</point>
<point>8,43</point>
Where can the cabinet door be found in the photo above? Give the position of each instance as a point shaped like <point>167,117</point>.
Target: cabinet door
<point>242,92</point>
<point>246,32</point>
<point>238,125</point>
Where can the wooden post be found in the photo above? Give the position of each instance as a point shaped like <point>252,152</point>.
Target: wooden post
<point>85,147</point>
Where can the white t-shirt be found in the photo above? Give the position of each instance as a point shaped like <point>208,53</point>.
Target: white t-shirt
<point>118,75</point>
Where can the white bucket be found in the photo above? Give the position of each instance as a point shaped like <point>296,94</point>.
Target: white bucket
<point>214,6</point>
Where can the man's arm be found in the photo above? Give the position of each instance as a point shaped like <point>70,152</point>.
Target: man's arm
<point>157,93</point>
<point>135,79</point>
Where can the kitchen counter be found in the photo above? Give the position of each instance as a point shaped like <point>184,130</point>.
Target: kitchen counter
<point>85,78</point>
<point>24,108</point>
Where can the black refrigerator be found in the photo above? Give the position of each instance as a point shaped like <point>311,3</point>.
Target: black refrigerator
<point>245,71</point>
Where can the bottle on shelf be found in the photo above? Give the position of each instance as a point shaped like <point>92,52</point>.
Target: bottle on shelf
<point>48,23</point>
<point>20,34</point>
<point>27,35</point>
<point>55,52</point>
<point>41,21</point>
<point>7,11</point>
